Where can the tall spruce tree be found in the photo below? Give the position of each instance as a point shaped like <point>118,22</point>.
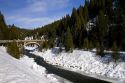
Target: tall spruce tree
<point>68,41</point>
<point>115,53</point>
<point>86,44</point>
<point>85,13</point>
<point>102,27</point>
<point>4,32</point>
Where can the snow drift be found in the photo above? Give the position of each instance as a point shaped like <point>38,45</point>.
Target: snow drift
<point>24,70</point>
<point>85,61</point>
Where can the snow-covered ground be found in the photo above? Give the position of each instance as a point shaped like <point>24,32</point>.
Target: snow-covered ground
<point>24,70</point>
<point>85,61</point>
<point>31,48</point>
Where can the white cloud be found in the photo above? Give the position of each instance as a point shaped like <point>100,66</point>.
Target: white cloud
<point>37,13</point>
<point>45,5</point>
<point>31,22</point>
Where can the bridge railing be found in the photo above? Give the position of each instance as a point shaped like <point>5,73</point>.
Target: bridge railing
<point>9,41</point>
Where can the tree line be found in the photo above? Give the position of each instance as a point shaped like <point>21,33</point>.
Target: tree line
<point>107,31</point>
<point>11,32</point>
<point>108,17</point>
<point>75,30</point>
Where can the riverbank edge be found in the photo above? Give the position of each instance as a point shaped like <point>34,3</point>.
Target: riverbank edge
<point>104,78</point>
<point>113,80</point>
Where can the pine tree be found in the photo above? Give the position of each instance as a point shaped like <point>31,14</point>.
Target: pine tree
<point>101,52</point>
<point>123,34</point>
<point>97,48</point>
<point>68,41</point>
<point>3,28</point>
<point>45,45</point>
<point>80,12</point>
<point>115,53</point>
<point>76,27</point>
<point>86,44</point>
<point>85,14</point>
<point>102,28</point>
<point>13,50</point>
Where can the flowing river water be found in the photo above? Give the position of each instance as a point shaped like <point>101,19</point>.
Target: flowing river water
<point>66,74</point>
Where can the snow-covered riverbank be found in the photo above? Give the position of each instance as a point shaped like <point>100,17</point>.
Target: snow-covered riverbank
<point>24,70</point>
<point>85,61</point>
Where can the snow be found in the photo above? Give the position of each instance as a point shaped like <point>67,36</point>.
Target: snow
<point>24,70</point>
<point>85,61</point>
<point>30,48</point>
<point>29,38</point>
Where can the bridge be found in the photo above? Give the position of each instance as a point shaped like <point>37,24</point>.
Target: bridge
<point>20,41</point>
<point>23,43</point>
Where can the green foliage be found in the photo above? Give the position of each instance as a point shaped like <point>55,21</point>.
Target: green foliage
<point>85,14</point>
<point>13,50</point>
<point>51,42</point>
<point>4,32</point>
<point>86,44</point>
<point>102,27</point>
<point>11,32</point>
<point>68,42</point>
<point>115,53</point>
<point>72,31</point>
<point>99,49</point>
<point>108,26</point>
<point>17,33</point>
<point>101,52</point>
<point>45,45</point>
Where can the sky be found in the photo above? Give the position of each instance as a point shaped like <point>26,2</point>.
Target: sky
<point>31,14</point>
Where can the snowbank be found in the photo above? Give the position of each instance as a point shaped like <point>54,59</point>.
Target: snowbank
<point>39,70</point>
<point>24,70</point>
<point>85,61</point>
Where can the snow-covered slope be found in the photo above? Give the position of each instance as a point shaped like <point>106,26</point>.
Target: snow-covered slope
<point>22,71</point>
<point>85,61</point>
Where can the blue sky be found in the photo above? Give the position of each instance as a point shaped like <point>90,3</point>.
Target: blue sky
<point>36,13</point>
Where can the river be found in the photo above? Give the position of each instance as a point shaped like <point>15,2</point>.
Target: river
<point>66,74</point>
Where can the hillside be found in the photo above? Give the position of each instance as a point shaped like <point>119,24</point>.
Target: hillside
<point>98,24</point>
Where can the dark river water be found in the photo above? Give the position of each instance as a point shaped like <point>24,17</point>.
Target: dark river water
<point>66,74</point>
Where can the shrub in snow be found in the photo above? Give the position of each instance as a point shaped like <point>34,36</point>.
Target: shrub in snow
<point>45,45</point>
<point>13,50</point>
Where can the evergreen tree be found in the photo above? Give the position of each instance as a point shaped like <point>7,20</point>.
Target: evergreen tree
<point>123,34</point>
<point>76,27</point>
<point>102,27</point>
<point>115,53</point>
<point>13,50</point>
<point>80,12</point>
<point>99,50</point>
<point>45,45</point>
<point>4,32</point>
<point>85,14</point>
<point>86,44</point>
<point>68,41</point>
